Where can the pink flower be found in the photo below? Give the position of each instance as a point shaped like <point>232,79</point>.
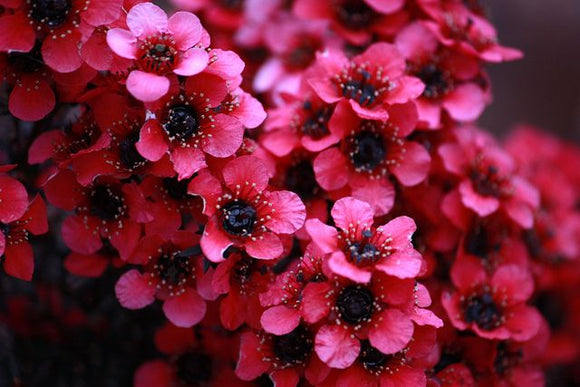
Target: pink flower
<point>244,212</point>
<point>370,152</point>
<point>370,82</point>
<point>493,307</point>
<point>359,248</point>
<point>159,46</point>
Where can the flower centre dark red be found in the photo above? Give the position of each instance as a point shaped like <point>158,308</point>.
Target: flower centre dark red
<point>106,204</point>
<point>5,229</point>
<point>26,62</point>
<point>354,14</point>
<point>232,5</point>
<point>355,304</point>
<point>371,358</point>
<point>363,253</point>
<point>300,178</point>
<point>128,154</point>
<point>437,82</point>
<point>366,150</point>
<point>316,123</point>
<point>52,13</point>
<point>157,54</point>
<point>303,54</point>
<point>182,122</point>
<point>175,269</point>
<point>482,310</point>
<point>194,368</point>
<point>239,218</point>
<point>293,348</point>
<point>487,181</point>
<point>361,89</point>
<point>506,358</point>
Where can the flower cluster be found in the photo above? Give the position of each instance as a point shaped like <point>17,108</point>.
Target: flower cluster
<point>345,224</point>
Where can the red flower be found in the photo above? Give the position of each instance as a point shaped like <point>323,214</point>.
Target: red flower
<point>488,180</point>
<point>493,307</point>
<point>18,219</point>
<point>370,82</point>
<point>171,271</point>
<point>354,20</point>
<point>105,209</point>
<point>63,25</point>
<point>243,212</point>
<point>359,249</point>
<point>369,152</point>
<point>158,46</point>
<point>453,80</point>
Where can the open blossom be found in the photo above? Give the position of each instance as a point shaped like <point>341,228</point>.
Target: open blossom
<point>370,152</point>
<point>359,248</point>
<point>244,212</point>
<point>488,180</point>
<point>158,46</point>
<point>494,307</point>
<point>370,82</point>
<point>18,219</point>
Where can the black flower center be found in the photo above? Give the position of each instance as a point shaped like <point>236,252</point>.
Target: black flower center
<point>506,358</point>
<point>175,269</point>
<point>239,218</point>
<point>437,82</point>
<point>487,181</point>
<point>128,154</point>
<point>26,62</point>
<point>371,358</point>
<point>316,124</point>
<point>5,229</point>
<point>105,204</point>
<point>194,368</point>
<point>482,310</point>
<point>157,54</point>
<point>52,13</point>
<point>361,90</point>
<point>363,253</point>
<point>300,178</point>
<point>182,122</point>
<point>354,14</point>
<point>232,5</point>
<point>446,359</point>
<point>295,347</point>
<point>367,150</point>
<point>355,304</point>
<point>176,189</point>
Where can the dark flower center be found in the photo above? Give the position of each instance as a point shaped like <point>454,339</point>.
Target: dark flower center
<point>479,242</point>
<point>363,253</point>
<point>26,62</point>
<point>52,13</point>
<point>5,229</point>
<point>128,154</point>
<point>193,368</point>
<point>316,125</point>
<point>437,82</point>
<point>105,204</point>
<point>182,122</point>
<point>371,358</point>
<point>239,218</point>
<point>487,181</point>
<point>300,178</point>
<point>446,359</point>
<point>506,358</point>
<point>295,347</point>
<point>355,304</point>
<point>304,54</point>
<point>361,90</point>
<point>367,150</point>
<point>175,269</point>
<point>232,5</point>
<point>354,14</point>
<point>176,189</point>
<point>482,310</point>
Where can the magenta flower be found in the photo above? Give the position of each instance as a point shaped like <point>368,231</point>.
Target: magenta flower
<point>159,46</point>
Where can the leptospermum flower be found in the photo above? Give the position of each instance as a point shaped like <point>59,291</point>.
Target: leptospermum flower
<point>171,271</point>
<point>359,248</point>
<point>18,219</point>
<point>159,46</point>
<point>369,152</point>
<point>244,212</point>
<point>370,82</point>
<point>494,307</point>
<point>488,180</point>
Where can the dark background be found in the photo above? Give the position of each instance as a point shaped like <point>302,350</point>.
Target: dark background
<point>543,88</point>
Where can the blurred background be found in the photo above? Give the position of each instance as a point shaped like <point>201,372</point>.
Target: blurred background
<point>542,89</point>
